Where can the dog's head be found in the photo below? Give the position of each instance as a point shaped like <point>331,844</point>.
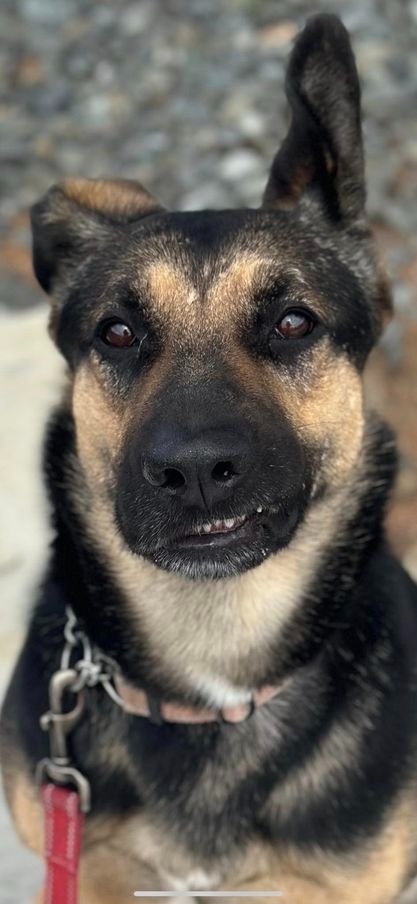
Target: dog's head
<point>216,356</point>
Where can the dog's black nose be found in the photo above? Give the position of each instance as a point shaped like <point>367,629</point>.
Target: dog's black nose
<point>203,470</point>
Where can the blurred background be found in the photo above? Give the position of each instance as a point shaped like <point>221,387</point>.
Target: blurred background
<point>187,97</point>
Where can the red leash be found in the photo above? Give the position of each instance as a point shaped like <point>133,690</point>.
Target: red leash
<point>63,831</point>
<point>65,791</point>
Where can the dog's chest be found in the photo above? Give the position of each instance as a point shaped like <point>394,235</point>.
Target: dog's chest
<point>196,815</point>
<point>198,879</point>
<point>159,860</point>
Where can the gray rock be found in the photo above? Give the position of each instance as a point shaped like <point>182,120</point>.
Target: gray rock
<point>135,18</point>
<point>238,164</point>
<point>48,99</point>
<point>43,12</point>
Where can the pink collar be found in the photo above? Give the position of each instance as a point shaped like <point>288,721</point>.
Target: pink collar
<point>139,703</point>
<point>94,667</point>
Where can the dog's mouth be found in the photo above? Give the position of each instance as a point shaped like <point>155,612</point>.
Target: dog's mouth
<point>227,544</point>
<point>219,532</point>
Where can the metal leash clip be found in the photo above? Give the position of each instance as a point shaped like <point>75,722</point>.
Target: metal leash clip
<point>90,669</point>
<point>59,723</point>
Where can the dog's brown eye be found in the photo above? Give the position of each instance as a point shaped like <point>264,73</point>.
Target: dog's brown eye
<point>118,334</point>
<point>294,325</point>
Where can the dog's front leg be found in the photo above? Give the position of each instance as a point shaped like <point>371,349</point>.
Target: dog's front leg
<point>293,889</point>
<point>88,895</point>
<point>289,890</point>
<point>108,875</point>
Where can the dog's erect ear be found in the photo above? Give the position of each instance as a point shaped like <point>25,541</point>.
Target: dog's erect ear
<point>322,155</point>
<point>71,220</point>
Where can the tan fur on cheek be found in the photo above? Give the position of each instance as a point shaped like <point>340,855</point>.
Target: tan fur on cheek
<point>104,416</point>
<point>99,426</point>
<point>323,399</point>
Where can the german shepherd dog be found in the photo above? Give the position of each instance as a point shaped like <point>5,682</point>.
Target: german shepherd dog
<point>218,490</point>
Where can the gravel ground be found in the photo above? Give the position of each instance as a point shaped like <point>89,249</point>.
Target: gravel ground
<point>187,96</point>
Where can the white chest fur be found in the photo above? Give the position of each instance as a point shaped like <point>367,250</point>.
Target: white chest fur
<point>196,880</point>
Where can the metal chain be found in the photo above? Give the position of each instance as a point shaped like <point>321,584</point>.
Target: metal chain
<point>93,667</point>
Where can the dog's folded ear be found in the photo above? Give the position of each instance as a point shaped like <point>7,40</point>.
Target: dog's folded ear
<point>76,215</point>
<point>322,155</point>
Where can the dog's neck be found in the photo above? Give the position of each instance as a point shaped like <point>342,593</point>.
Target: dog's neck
<point>214,641</point>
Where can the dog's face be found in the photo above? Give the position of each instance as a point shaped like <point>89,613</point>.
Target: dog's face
<point>216,356</point>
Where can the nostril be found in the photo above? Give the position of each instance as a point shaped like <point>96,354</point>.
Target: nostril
<point>164,478</point>
<point>173,479</point>
<point>223,472</point>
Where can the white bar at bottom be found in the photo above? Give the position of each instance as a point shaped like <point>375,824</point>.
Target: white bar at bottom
<point>207,894</point>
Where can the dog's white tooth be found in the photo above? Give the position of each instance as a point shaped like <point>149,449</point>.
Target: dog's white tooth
<point>217,524</point>
<point>259,509</point>
<point>206,528</point>
<point>229,522</point>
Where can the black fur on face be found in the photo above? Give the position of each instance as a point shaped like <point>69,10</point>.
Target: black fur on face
<point>215,354</point>
<point>211,452</point>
